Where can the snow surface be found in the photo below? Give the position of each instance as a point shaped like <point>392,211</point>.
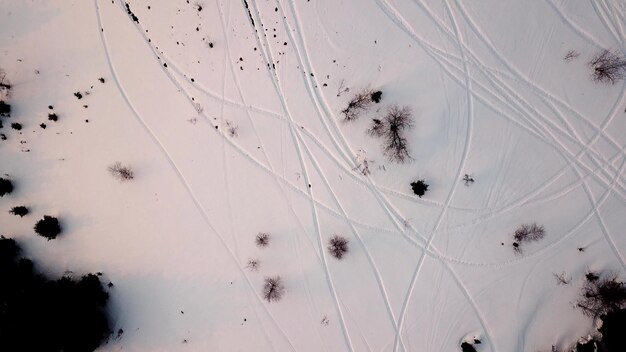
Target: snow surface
<point>491,94</point>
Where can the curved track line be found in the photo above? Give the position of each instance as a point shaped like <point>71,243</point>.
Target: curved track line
<point>181,177</point>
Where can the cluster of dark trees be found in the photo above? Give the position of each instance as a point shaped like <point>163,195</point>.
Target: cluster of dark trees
<point>42,314</point>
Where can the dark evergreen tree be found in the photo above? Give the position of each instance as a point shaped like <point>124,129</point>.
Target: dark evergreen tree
<point>48,227</point>
<point>6,186</point>
<point>419,187</point>
<point>19,210</point>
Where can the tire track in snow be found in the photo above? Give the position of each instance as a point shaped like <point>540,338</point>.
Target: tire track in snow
<point>180,176</point>
<point>266,53</point>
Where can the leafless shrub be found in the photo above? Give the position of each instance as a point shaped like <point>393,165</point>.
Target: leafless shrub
<point>529,233</point>
<point>468,179</point>
<point>337,246</point>
<point>360,102</point>
<point>603,295</point>
<point>121,172</point>
<point>232,129</point>
<point>561,278</point>
<point>362,163</point>
<point>273,289</point>
<point>571,55</point>
<point>253,264</point>
<point>262,239</point>
<point>325,321</point>
<point>608,67</point>
<point>377,128</point>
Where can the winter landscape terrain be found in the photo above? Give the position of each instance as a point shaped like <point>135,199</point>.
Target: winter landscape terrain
<point>235,118</point>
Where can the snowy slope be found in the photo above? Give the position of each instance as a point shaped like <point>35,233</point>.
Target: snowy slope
<point>491,96</point>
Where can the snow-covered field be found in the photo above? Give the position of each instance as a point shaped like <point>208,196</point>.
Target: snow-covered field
<point>491,95</point>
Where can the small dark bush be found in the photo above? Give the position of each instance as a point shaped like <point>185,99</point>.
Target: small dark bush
<point>467,347</point>
<point>48,227</point>
<point>419,187</point>
<point>273,289</point>
<point>101,79</point>
<point>262,239</point>
<point>360,102</point>
<point>39,314</point>
<point>16,126</point>
<point>53,117</point>
<point>338,246</point>
<point>6,186</point>
<point>377,96</point>
<point>121,172</point>
<point>19,210</point>
<point>608,67</point>
<point>78,95</point>
<point>591,276</point>
<point>602,296</point>
<point>5,109</point>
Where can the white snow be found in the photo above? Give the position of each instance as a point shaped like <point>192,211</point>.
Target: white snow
<point>491,96</point>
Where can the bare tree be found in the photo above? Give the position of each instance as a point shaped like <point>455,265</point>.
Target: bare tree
<point>608,67</point>
<point>262,239</point>
<point>338,246</point>
<point>468,179</point>
<point>121,172</point>
<point>395,145</point>
<point>361,101</point>
<point>273,289</point>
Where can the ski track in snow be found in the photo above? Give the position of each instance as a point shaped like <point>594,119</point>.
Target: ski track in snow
<point>472,74</point>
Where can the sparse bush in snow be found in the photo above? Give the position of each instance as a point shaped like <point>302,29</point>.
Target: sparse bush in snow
<point>273,289</point>
<point>53,117</point>
<point>48,227</point>
<point>19,211</point>
<point>419,187</point>
<point>262,239</point>
<point>608,67</point>
<point>16,126</point>
<point>39,314</point>
<point>468,179</point>
<point>121,172</point>
<point>253,264</point>
<point>360,102</point>
<point>233,130</point>
<point>391,128</point>
<point>602,296</point>
<point>337,246</point>
<point>527,233</point>
<point>6,186</point>
<point>571,55</point>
